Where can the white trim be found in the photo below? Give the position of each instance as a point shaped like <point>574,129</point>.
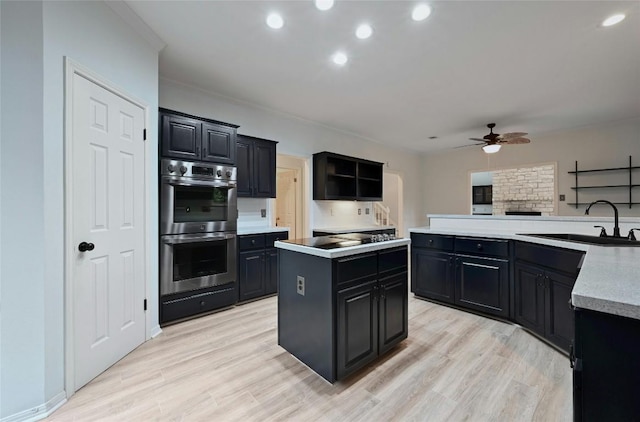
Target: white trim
<point>38,412</point>
<point>127,14</point>
<point>151,327</point>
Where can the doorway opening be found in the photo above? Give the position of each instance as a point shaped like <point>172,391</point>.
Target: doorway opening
<point>290,210</point>
<point>392,201</point>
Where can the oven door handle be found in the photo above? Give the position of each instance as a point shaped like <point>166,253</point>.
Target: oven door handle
<point>176,240</point>
<point>208,183</point>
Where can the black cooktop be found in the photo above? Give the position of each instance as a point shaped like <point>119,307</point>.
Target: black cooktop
<point>335,241</point>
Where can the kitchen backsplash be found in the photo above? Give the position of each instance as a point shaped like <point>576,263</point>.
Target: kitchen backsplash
<point>342,213</point>
<point>250,212</point>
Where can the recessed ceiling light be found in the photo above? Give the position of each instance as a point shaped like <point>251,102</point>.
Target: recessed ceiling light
<point>339,58</point>
<point>275,21</point>
<point>433,137</point>
<point>421,12</point>
<point>612,20</point>
<point>364,31</point>
<point>324,4</point>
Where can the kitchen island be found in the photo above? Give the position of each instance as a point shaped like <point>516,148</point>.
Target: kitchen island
<point>342,302</point>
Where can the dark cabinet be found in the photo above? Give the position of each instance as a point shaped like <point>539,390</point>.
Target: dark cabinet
<point>543,279</point>
<point>258,265</point>
<point>482,284</point>
<point>339,177</point>
<point>193,138</point>
<point>606,368</point>
<point>432,274</point>
<point>469,272</point>
<point>482,195</point>
<point>357,330</point>
<point>256,162</point>
<point>372,312</point>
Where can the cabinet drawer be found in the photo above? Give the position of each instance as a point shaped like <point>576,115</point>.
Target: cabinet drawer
<point>556,258</point>
<point>392,260</point>
<point>356,267</point>
<point>434,241</point>
<point>254,241</point>
<point>481,246</point>
<point>272,237</point>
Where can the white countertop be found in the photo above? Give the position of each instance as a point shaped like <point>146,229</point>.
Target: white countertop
<point>260,229</point>
<point>577,218</point>
<point>609,280</point>
<point>340,252</point>
<point>350,229</point>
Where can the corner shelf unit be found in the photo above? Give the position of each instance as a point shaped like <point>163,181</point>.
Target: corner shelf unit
<point>629,186</point>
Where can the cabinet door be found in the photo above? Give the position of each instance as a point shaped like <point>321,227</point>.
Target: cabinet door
<point>264,169</point>
<point>482,284</point>
<point>244,163</point>
<point>181,137</point>
<point>218,144</point>
<point>356,327</point>
<point>559,316</point>
<point>393,315</point>
<point>529,297</point>
<point>432,274</point>
<point>271,271</point>
<point>251,277</point>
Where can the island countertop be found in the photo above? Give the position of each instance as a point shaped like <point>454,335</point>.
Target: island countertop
<point>291,245</point>
<point>607,282</point>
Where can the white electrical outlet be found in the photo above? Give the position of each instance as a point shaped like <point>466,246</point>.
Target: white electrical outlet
<point>300,285</point>
<point>359,211</point>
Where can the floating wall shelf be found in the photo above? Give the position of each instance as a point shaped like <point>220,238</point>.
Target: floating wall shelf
<point>628,186</point>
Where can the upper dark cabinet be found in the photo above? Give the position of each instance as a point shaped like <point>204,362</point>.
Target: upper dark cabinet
<point>339,177</point>
<point>482,195</point>
<point>197,139</point>
<point>256,161</point>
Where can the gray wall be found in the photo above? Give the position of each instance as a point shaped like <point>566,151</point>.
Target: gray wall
<point>446,177</point>
<point>36,36</point>
<point>300,138</point>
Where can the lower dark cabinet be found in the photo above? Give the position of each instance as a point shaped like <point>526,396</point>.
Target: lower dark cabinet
<point>251,277</point>
<point>432,274</point>
<point>482,284</point>
<point>529,297</point>
<point>393,311</point>
<point>606,368</point>
<point>357,327</point>
<point>258,265</point>
<point>559,322</point>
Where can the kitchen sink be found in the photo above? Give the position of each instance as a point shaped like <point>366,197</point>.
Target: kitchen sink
<point>583,238</point>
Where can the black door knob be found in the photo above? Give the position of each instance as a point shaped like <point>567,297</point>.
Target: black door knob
<point>84,246</point>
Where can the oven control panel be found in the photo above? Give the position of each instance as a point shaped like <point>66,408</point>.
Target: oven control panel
<point>197,170</point>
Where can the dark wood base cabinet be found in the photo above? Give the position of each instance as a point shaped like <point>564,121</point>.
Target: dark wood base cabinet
<point>258,265</point>
<point>528,283</point>
<point>606,368</point>
<point>337,315</point>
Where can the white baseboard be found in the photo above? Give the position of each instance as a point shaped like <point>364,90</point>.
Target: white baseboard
<point>38,412</point>
<point>155,331</point>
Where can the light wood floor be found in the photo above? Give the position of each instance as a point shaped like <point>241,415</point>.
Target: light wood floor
<point>454,366</point>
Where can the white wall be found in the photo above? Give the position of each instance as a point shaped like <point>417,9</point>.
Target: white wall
<point>22,357</point>
<point>299,138</point>
<point>594,147</point>
<point>43,33</point>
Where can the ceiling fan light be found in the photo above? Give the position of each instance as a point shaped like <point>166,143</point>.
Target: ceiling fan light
<point>491,148</point>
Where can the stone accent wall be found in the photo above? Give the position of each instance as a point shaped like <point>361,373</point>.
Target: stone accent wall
<point>524,189</point>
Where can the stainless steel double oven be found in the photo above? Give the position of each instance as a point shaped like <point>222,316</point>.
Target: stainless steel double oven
<point>198,225</point>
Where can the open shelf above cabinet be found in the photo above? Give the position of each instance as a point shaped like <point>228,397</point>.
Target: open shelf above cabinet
<point>340,177</point>
<point>627,171</point>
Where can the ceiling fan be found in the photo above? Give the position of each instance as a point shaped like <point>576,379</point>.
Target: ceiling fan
<point>494,141</point>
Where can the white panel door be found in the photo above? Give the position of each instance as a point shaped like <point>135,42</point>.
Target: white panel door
<point>108,214</point>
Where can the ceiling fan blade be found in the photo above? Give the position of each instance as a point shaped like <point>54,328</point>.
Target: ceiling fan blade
<point>512,135</point>
<point>468,145</point>
<point>478,139</point>
<point>514,141</point>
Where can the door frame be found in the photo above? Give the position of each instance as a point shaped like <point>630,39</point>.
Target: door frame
<point>400,198</point>
<point>301,165</point>
<point>72,68</point>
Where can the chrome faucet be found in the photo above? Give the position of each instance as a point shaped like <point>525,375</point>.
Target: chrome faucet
<point>616,228</point>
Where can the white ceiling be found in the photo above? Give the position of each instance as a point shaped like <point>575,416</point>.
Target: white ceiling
<point>530,66</point>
